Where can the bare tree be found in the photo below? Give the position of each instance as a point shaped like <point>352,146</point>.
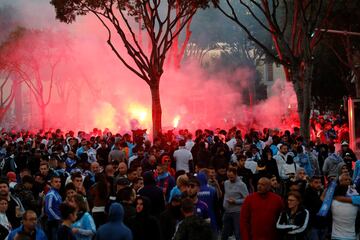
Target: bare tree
<point>33,57</point>
<point>162,22</point>
<point>7,92</point>
<point>293,26</point>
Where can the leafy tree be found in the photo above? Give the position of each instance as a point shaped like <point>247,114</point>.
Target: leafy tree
<point>293,26</point>
<point>160,21</point>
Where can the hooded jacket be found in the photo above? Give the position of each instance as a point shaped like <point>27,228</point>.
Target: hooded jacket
<point>154,193</point>
<point>331,164</point>
<point>144,226</point>
<point>208,195</point>
<point>115,229</point>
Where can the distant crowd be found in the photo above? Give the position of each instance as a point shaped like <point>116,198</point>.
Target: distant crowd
<point>266,184</point>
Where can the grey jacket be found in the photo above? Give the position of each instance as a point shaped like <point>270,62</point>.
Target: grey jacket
<point>236,190</point>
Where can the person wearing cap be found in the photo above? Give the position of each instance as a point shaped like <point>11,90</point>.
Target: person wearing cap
<point>201,208</point>
<point>11,176</point>
<point>330,168</point>
<point>347,155</point>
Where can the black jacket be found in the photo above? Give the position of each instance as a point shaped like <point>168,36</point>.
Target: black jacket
<point>293,226</point>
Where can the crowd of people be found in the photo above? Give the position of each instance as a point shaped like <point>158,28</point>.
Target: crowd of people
<point>259,185</point>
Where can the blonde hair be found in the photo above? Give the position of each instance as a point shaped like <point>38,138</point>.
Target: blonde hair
<point>182,180</point>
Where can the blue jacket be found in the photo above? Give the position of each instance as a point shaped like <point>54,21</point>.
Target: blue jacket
<point>86,226</point>
<point>40,235</point>
<point>115,229</point>
<point>52,204</point>
<point>208,195</point>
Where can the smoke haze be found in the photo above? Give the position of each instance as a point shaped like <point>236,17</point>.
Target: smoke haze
<point>93,89</point>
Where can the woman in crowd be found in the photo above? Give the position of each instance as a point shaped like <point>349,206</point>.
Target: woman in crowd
<point>84,228</point>
<point>294,220</point>
<point>144,226</point>
<point>69,215</point>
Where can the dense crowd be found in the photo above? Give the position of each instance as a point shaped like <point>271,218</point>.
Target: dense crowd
<point>269,184</point>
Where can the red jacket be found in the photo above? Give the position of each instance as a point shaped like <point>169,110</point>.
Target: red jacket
<point>258,216</point>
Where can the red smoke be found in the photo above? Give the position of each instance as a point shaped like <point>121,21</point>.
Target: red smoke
<point>94,89</point>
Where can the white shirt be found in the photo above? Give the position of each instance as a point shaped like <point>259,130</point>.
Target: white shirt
<point>189,144</point>
<point>182,157</point>
<point>250,164</point>
<point>343,225</point>
<point>231,144</point>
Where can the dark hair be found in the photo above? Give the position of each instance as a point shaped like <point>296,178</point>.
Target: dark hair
<point>24,216</point>
<point>76,175</point>
<point>315,177</point>
<point>340,190</point>
<point>70,186</point>
<point>187,205</point>
<point>296,194</point>
<point>3,181</point>
<point>232,170</point>
<point>66,210</point>
<point>27,179</point>
<point>124,194</point>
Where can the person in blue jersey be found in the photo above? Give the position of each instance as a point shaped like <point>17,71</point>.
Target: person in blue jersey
<point>208,195</point>
<point>51,208</point>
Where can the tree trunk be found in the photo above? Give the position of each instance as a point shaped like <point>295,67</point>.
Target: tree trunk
<point>302,86</point>
<point>156,109</point>
<point>43,117</point>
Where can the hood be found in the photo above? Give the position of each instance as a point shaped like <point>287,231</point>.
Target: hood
<point>116,213</point>
<point>339,168</point>
<point>202,179</point>
<point>149,178</point>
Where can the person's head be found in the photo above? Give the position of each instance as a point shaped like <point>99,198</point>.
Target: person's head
<point>142,205</point>
<point>109,170</point>
<point>274,181</point>
<point>231,174</point>
<point>300,174</point>
<point>345,179</point>
<point>122,168</point>
<point>193,187</point>
<point>132,174</point>
<point>4,188</point>
<point>29,220</point>
<point>315,183</point>
<point>77,179</point>
<point>81,203</point>
<point>138,183</point>
<point>68,212</point>
<point>11,176</point>
<point>121,183</point>
<point>237,149</point>
<point>182,182</point>
<point>263,186</point>
<point>187,207</point>
<point>127,194</point>
<point>284,149</point>
<point>44,168</point>
<point>55,182</point>
<point>95,167</point>
<point>3,204</point>
<point>70,190</point>
<point>28,182</point>
<point>293,199</point>
<point>344,146</point>
<point>152,160</point>
<point>211,173</point>
<point>241,161</point>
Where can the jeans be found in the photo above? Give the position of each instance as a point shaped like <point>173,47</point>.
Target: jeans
<point>316,234</point>
<point>231,224</point>
<point>52,229</point>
